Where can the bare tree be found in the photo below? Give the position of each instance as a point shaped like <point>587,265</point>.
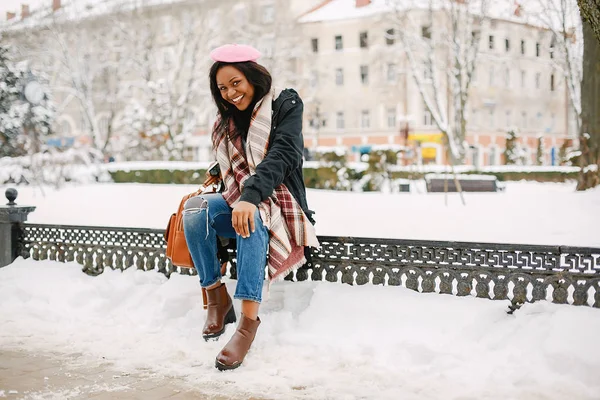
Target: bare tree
<point>169,77</point>
<point>84,69</point>
<point>444,50</point>
<point>590,87</point>
<point>590,11</point>
<point>562,18</point>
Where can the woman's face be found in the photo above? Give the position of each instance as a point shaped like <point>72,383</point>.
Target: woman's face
<point>234,87</point>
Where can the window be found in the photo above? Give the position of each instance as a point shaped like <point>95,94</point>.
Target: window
<point>64,128</point>
<point>339,76</point>
<point>314,42</point>
<point>508,120</point>
<point>523,119</point>
<point>491,42</point>
<point>103,125</point>
<point>523,77</point>
<point>493,155</point>
<point>364,40</point>
<point>507,77</point>
<point>187,21</point>
<point>339,44</point>
<point>507,45</point>
<point>167,26</point>
<point>84,124</point>
<point>391,72</point>
<point>391,117</point>
<point>389,37</point>
<point>522,47</point>
<point>539,120</point>
<point>266,45</point>
<point>215,21</point>
<point>427,74</point>
<point>314,78</point>
<point>339,120</point>
<point>364,74</point>
<point>537,49</point>
<point>268,14</point>
<point>552,49</point>
<point>426,32</point>
<point>537,80</point>
<point>474,120</point>
<point>552,82</point>
<point>365,119</point>
<point>168,57</point>
<point>427,119</point>
<point>240,14</point>
<point>492,119</point>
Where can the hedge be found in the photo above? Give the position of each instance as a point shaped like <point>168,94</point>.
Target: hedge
<point>335,177</point>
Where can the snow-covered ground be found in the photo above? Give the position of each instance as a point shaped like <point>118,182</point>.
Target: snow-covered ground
<point>321,340</point>
<point>526,212</point>
<point>316,341</point>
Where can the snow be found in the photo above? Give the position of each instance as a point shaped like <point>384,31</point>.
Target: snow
<point>338,10</point>
<point>338,150</point>
<point>71,10</point>
<point>345,9</point>
<point>526,212</point>
<point>316,340</point>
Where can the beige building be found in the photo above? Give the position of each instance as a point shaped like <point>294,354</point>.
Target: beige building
<point>360,84</point>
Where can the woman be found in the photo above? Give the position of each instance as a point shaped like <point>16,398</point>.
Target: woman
<point>258,144</point>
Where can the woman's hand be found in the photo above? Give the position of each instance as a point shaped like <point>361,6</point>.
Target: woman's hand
<point>241,217</point>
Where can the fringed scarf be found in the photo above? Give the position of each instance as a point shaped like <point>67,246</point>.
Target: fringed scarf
<point>289,228</point>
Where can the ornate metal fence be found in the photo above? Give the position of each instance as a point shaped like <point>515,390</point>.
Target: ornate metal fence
<point>520,273</point>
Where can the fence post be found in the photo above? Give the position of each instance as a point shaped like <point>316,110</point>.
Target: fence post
<point>11,218</point>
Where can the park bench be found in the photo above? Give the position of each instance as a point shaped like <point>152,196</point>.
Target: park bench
<point>468,183</point>
<point>516,272</point>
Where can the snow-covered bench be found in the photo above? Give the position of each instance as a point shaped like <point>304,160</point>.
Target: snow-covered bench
<point>468,183</point>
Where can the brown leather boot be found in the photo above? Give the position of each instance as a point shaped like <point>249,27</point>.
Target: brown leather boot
<point>219,312</point>
<point>236,349</point>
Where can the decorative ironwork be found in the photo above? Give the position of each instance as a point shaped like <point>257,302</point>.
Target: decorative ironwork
<point>520,273</point>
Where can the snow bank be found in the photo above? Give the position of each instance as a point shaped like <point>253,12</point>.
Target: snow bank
<point>534,213</point>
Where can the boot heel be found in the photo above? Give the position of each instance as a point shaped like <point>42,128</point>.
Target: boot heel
<point>230,317</point>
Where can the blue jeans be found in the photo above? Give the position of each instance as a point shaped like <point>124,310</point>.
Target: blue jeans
<point>205,217</point>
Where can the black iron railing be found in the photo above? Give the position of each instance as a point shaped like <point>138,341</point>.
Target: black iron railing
<point>520,273</point>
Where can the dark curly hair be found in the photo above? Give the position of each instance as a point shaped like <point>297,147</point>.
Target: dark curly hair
<point>255,73</point>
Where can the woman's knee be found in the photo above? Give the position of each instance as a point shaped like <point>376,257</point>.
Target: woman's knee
<point>196,203</point>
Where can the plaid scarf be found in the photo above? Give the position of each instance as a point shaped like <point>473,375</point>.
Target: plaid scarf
<point>289,228</point>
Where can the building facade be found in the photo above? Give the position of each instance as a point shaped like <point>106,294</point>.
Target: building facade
<point>360,87</point>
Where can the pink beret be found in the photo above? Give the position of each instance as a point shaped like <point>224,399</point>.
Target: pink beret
<point>235,53</point>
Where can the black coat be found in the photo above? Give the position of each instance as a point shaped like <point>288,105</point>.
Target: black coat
<point>283,161</point>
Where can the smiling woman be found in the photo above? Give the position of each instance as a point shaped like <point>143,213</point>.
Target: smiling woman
<point>258,144</point>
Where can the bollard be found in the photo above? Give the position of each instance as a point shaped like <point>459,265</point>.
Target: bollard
<point>11,218</point>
